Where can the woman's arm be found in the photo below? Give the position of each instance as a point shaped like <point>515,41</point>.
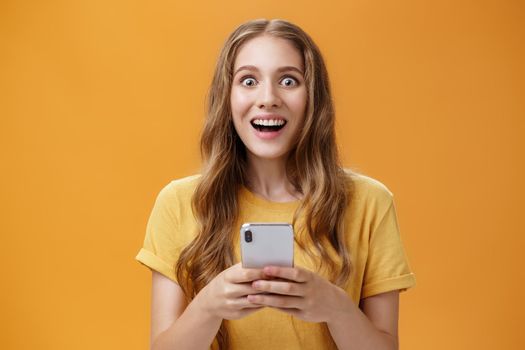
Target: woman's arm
<point>375,327</point>
<point>177,326</point>
<point>174,324</point>
<point>312,298</point>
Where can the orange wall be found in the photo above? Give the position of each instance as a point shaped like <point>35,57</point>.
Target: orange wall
<point>101,104</point>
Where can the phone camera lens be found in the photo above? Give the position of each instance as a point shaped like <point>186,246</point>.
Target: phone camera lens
<point>248,236</point>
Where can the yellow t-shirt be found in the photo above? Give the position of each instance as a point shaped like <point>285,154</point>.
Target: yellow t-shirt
<point>378,259</point>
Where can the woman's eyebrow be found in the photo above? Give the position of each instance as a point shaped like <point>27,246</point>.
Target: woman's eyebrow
<point>279,70</point>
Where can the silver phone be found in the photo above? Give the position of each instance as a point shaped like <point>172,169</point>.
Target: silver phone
<point>264,244</point>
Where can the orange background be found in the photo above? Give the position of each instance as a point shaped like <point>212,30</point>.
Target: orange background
<point>101,105</point>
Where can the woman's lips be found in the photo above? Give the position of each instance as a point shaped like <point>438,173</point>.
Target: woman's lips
<point>267,135</point>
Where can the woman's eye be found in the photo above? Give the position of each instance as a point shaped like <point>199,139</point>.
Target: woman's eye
<point>248,81</point>
<point>289,81</point>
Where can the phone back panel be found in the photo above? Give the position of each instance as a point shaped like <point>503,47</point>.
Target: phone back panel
<point>271,244</point>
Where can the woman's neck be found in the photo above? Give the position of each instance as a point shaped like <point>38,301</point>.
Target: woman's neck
<point>267,178</point>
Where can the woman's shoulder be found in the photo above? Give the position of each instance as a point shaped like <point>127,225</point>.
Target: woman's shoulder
<point>184,183</point>
<point>180,188</point>
<point>367,188</point>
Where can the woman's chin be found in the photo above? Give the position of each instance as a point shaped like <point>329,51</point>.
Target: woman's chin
<point>267,154</point>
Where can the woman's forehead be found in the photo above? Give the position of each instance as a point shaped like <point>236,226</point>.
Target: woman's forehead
<point>268,53</point>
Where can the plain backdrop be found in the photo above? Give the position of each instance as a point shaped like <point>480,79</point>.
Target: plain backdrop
<point>102,103</point>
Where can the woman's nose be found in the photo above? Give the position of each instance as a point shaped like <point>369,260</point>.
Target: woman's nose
<point>268,96</point>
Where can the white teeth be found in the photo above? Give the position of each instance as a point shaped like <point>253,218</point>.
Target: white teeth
<point>269,122</point>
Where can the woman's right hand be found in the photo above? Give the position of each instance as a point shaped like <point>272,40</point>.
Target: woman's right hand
<point>225,296</point>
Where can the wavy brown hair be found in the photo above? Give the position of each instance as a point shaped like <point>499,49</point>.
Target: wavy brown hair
<point>313,168</point>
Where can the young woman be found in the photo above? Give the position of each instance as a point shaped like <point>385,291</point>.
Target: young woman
<point>269,153</point>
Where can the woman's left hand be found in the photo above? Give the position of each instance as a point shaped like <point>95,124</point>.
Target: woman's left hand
<point>302,293</point>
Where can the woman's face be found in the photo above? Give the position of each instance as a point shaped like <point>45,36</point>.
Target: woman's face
<point>268,96</point>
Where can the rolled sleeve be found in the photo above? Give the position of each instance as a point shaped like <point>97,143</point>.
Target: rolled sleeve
<point>387,266</point>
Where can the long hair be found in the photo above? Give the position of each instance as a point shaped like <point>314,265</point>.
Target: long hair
<point>312,167</point>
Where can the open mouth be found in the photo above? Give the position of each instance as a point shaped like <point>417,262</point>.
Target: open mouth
<point>268,125</point>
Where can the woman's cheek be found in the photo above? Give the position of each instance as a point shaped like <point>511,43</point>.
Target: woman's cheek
<point>299,101</point>
<point>242,99</point>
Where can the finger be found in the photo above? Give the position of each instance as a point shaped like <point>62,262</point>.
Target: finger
<point>243,303</point>
<point>279,287</point>
<point>297,274</point>
<point>274,300</point>
<point>237,290</point>
<point>240,275</point>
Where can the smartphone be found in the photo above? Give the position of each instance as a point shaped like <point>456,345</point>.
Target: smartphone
<point>264,244</point>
